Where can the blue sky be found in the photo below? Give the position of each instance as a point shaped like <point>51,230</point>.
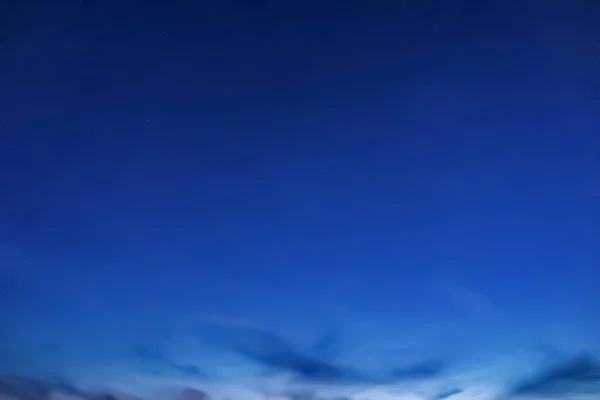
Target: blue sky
<point>421,180</point>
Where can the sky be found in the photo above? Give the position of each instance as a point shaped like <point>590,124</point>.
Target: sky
<point>375,184</point>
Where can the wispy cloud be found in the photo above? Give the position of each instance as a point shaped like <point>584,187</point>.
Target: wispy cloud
<point>577,376</point>
<point>153,356</point>
<point>447,394</point>
<point>276,353</point>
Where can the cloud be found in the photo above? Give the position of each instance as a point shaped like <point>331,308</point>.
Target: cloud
<point>447,393</point>
<point>304,367</point>
<point>277,354</point>
<point>158,358</point>
<point>424,370</point>
<point>23,389</point>
<point>248,336</point>
<point>576,376</point>
<point>327,346</point>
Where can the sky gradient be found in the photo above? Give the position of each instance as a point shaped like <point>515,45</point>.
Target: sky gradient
<point>408,183</point>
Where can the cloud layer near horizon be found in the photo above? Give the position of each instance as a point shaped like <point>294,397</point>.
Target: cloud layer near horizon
<point>278,368</point>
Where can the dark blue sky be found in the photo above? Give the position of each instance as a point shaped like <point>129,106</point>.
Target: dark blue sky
<point>426,171</point>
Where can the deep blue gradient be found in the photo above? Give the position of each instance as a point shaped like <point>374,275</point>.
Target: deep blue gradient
<point>423,178</point>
